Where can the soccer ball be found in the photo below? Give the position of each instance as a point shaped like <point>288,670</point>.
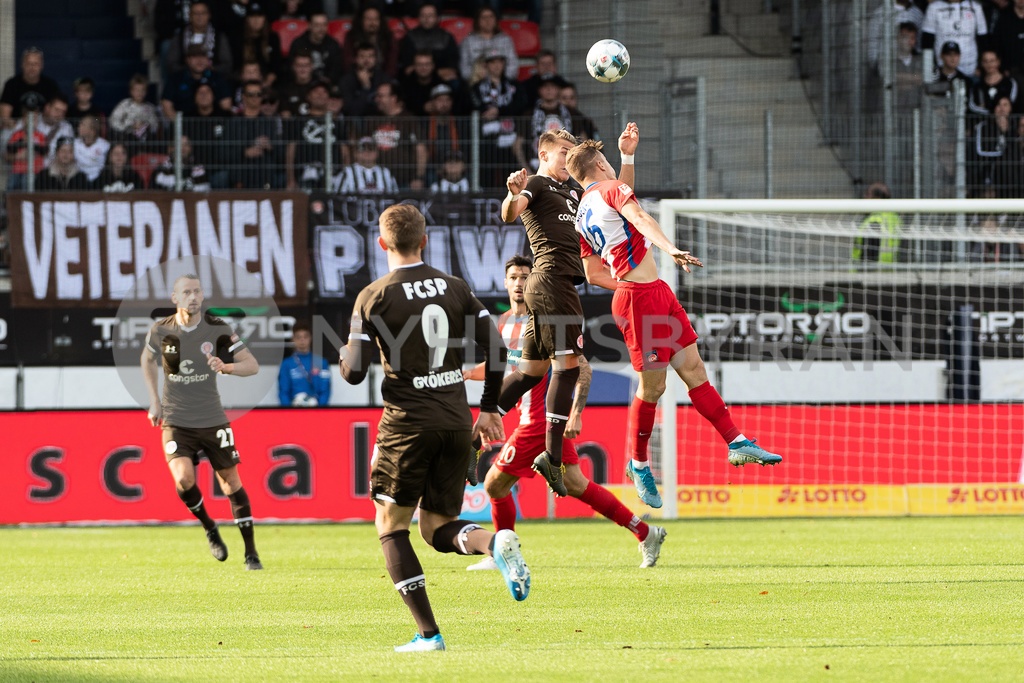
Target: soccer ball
<point>608,61</point>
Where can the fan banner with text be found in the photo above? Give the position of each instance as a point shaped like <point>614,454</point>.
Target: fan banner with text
<point>313,465</point>
<point>77,250</point>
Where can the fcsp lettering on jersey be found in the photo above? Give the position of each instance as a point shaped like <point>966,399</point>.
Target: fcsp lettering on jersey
<point>425,289</point>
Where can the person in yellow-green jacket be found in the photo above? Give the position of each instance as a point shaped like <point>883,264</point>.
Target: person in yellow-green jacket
<point>878,239</point>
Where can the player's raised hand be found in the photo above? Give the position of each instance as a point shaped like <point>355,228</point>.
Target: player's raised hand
<point>685,259</point>
<point>156,414</point>
<point>516,182</point>
<point>629,139</point>
<point>489,427</point>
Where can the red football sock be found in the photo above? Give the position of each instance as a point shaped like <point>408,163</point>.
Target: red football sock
<point>603,501</point>
<point>503,513</point>
<point>710,405</point>
<point>641,424</point>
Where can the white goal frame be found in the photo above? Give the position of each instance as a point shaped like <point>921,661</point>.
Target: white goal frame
<point>668,209</point>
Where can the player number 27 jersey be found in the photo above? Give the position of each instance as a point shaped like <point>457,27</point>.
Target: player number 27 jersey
<point>606,232</point>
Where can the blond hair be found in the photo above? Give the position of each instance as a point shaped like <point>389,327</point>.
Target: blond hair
<point>551,138</point>
<point>581,158</point>
<point>402,226</point>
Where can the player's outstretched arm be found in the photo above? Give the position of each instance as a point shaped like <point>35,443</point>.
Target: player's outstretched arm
<point>488,424</point>
<point>628,142</point>
<point>477,374</point>
<point>151,375</point>
<point>598,273</point>
<point>575,424</point>
<point>514,202</point>
<point>650,229</point>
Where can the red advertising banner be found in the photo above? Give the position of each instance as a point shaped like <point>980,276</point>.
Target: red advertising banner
<point>79,467</point>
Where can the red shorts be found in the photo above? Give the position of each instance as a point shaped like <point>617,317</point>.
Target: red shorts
<point>520,449</point>
<point>653,323</point>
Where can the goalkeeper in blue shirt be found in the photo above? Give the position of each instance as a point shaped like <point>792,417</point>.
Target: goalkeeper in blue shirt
<point>304,379</point>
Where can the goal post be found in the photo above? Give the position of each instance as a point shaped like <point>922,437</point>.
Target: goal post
<point>895,327</point>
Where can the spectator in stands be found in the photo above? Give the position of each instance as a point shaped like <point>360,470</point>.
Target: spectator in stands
<point>429,36</point>
<point>302,10</point>
<point>487,38</point>
<point>323,50</point>
<point>531,7</point>
<point>959,21</point>
<point>207,127</point>
<point>369,27</point>
<point>255,42</point>
<point>305,157</point>
<point>548,113</point>
<point>180,91</point>
<point>117,175</point>
<point>251,71</point>
<point>63,173</point>
<point>199,31</point>
<point>169,17</point>
<point>304,379</point>
<point>546,66</point>
<point>54,125</point>
<point>366,175</point>
<point>16,149</point>
<point>1008,39</point>
<point>90,149</point>
<point>399,138</point>
<point>995,154</point>
<point>498,101</point>
<point>134,120</point>
<point>256,140</point>
<point>453,175</point>
<point>82,106</point>
<point>903,11</point>
<point>193,175</point>
<point>993,85</point>
<point>878,239</point>
<point>270,104</point>
<point>444,133</point>
<point>583,126</point>
<point>30,80</point>
<point>293,91</point>
<point>417,85</point>
<point>359,85</point>
<point>908,75</point>
<point>949,71</point>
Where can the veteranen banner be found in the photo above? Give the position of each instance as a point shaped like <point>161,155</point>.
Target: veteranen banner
<point>81,249</point>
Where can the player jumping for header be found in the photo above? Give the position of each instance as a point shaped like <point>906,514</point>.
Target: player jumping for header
<point>615,238</point>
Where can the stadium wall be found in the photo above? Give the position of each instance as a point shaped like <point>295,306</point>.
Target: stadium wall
<point>89,467</point>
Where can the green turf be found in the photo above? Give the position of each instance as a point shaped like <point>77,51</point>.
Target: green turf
<point>749,600</point>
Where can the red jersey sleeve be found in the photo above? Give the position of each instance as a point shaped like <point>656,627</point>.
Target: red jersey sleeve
<point>616,194</point>
<point>585,249</point>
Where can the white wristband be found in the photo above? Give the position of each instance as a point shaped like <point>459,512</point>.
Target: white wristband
<point>627,158</point>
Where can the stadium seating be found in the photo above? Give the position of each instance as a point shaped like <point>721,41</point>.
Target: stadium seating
<point>288,30</point>
<point>525,36</point>
<point>398,27</point>
<point>145,163</point>
<point>338,28</point>
<point>459,27</point>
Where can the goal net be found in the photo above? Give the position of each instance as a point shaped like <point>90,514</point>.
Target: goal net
<point>877,345</point>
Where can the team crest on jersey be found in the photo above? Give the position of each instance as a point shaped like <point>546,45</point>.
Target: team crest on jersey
<point>206,347</point>
<point>171,447</point>
<point>573,194</point>
<point>579,341</point>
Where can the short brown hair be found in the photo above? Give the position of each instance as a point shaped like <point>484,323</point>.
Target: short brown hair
<point>581,158</point>
<point>552,137</point>
<point>402,226</point>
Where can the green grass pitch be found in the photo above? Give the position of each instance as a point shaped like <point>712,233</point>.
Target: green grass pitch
<point>745,600</point>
